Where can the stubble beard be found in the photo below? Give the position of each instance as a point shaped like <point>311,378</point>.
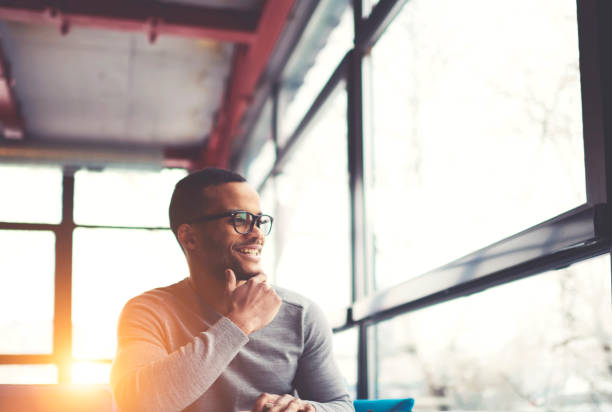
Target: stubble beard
<point>239,271</point>
<point>243,275</point>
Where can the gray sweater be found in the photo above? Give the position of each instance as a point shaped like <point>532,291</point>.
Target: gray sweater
<point>176,353</point>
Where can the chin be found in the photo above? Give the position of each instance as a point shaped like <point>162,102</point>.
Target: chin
<point>247,273</point>
<point>244,276</point>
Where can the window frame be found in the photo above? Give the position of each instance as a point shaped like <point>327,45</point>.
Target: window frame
<point>586,230</point>
<point>61,355</point>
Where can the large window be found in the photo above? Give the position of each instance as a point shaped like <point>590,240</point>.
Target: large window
<point>24,188</point>
<point>110,265</point>
<point>345,353</point>
<point>118,197</point>
<point>269,253</point>
<point>260,154</point>
<point>542,344</point>
<point>475,129</point>
<point>28,374</point>
<point>314,60</point>
<point>27,267</point>
<point>313,212</point>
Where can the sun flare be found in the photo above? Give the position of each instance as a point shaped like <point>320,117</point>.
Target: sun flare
<point>90,372</point>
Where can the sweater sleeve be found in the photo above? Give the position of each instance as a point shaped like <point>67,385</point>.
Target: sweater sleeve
<point>145,377</point>
<point>318,379</point>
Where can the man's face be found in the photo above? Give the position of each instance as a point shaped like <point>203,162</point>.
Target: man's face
<point>220,247</point>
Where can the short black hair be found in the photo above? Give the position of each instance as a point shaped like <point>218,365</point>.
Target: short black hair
<point>188,198</point>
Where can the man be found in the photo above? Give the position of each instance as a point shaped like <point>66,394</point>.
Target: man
<point>224,340</point>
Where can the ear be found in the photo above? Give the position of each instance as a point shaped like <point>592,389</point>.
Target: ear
<point>187,237</point>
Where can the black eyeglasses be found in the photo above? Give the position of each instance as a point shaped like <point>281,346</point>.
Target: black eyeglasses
<point>242,220</point>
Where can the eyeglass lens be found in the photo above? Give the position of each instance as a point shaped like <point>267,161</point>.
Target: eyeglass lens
<point>243,223</point>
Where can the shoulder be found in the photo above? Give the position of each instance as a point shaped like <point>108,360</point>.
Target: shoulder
<point>311,314</point>
<point>294,299</point>
<point>160,300</point>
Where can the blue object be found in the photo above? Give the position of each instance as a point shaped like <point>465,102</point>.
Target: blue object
<point>383,405</point>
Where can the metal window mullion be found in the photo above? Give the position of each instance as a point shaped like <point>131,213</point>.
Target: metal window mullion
<point>356,178</point>
<point>362,362</point>
<point>26,359</point>
<point>359,251</point>
<point>62,322</point>
<point>594,34</point>
<point>275,126</point>
<point>28,226</point>
<point>374,26</point>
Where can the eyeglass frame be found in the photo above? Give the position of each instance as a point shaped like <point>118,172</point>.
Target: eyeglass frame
<point>254,219</point>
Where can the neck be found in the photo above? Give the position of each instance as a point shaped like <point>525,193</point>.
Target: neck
<point>209,288</point>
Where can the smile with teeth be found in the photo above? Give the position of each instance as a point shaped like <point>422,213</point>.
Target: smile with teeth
<point>249,251</point>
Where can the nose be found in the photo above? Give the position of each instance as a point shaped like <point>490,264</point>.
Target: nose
<point>258,234</point>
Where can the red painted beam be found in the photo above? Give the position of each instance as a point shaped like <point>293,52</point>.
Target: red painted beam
<point>248,65</point>
<point>185,157</point>
<point>12,123</point>
<point>136,16</point>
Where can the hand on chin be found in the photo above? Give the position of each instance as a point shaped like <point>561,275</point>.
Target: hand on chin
<point>245,275</point>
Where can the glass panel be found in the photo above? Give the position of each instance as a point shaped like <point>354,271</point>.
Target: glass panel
<point>27,273</point>
<point>268,205</point>
<point>313,213</point>
<point>537,344</point>
<point>262,164</point>
<point>31,194</point>
<point>345,353</point>
<point>367,6</point>
<point>326,39</point>
<point>110,266</point>
<point>28,374</point>
<point>259,154</point>
<point>472,137</point>
<point>124,197</point>
<point>90,372</point>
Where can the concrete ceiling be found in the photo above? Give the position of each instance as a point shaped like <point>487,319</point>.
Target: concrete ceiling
<point>111,86</point>
<point>169,75</point>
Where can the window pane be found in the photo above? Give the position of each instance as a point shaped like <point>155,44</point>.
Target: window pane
<point>28,374</point>
<point>27,268</point>
<point>473,137</point>
<point>345,353</point>
<point>313,215</point>
<point>110,266</point>
<point>268,205</point>
<point>326,39</point>
<point>124,197</point>
<point>256,158</point>
<point>537,344</point>
<point>31,194</point>
<point>90,372</point>
<point>262,164</point>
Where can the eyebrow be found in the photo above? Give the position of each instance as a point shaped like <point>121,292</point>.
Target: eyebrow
<point>244,210</point>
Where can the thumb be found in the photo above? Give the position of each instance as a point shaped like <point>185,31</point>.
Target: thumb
<point>230,278</point>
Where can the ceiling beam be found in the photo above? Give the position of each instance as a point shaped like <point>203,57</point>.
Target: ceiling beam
<point>248,65</point>
<point>10,117</point>
<point>70,153</point>
<point>155,19</point>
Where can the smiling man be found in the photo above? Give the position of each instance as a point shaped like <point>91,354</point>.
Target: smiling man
<point>223,339</point>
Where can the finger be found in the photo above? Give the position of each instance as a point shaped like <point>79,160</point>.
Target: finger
<point>240,283</point>
<point>293,406</point>
<point>282,403</point>
<point>230,278</point>
<point>309,408</point>
<point>261,401</point>
<point>259,278</point>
